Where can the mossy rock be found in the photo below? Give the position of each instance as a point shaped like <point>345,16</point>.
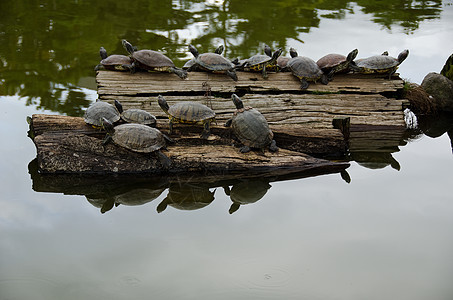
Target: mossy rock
<point>447,70</point>
<point>441,89</point>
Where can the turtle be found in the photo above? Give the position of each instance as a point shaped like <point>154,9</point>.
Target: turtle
<point>262,63</point>
<point>305,69</point>
<point>191,62</point>
<point>151,60</point>
<point>212,62</point>
<point>282,61</point>
<point>188,113</point>
<point>251,128</point>
<point>114,62</point>
<point>246,192</point>
<point>138,138</point>
<point>381,64</point>
<point>135,115</point>
<point>334,63</point>
<point>98,110</point>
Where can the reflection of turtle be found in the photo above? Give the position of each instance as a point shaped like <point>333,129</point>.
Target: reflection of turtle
<point>98,110</point>
<point>334,63</point>
<point>188,113</point>
<point>192,62</point>
<point>262,63</point>
<point>114,62</point>
<point>152,61</point>
<point>246,192</point>
<point>375,160</point>
<point>138,138</point>
<point>135,115</point>
<point>187,197</point>
<point>305,69</point>
<point>379,64</point>
<point>251,128</point>
<point>212,62</point>
<point>138,196</point>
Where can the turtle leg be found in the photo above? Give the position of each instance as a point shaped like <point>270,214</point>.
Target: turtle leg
<point>133,68</point>
<point>391,74</point>
<point>324,79</point>
<point>228,123</point>
<point>180,72</point>
<point>232,74</point>
<point>304,84</point>
<point>171,126</point>
<point>330,75</point>
<point>107,140</point>
<point>164,160</point>
<point>264,72</point>
<point>98,67</point>
<point>206,130</point>
<point>273,146</point>
<point>234,207</point>
<point>129,67</point>
<point>245,149</point>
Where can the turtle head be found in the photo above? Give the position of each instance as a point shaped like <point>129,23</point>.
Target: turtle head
<point>219,49</point>
<point>268,50</point>
<point>128,46</point>
<point>119,106</point>
<point>237,101</point>
<point>293,52</point>
<point>352,55</point>
<point>163,103</point>
<point>193,50</point>
<point>403,55</point>
<point>107,125</point>
<point>103,53</point>
<point>277,53</point>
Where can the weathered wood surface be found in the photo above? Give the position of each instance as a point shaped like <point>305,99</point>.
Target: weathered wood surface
<point>142,83</point>
<point>68,145</point>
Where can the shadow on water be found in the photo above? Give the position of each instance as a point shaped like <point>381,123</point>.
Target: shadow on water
<point>48,49</point>
<point>184,191</point>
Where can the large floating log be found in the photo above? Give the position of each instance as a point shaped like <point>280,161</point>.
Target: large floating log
<point>68,145</point>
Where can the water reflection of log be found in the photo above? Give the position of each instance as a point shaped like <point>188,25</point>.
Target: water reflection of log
<point>187,191</point>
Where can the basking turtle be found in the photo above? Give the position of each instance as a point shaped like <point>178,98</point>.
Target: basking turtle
<point>334,63</point>
<point>305,69</point>
<point>191,63</point>
<point>138,138</point>
<point>212,62</point>
<point>98,110</point>
<point>381,64</point>
<point>135,115</point>
<point>282,61</point>
<point>251,128</point>
<point>262,63</point>
<point>151,60</point>
<point>114,62</point>
<point>188,113</point>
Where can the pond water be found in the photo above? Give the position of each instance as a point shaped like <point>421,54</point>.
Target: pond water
<point>388,234</point>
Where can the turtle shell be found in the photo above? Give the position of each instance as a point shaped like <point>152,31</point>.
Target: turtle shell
<point>214,62</point>
<point>98,110</point>
<point>140,116</point>
<point>381,63</point>
<point>330,61</point>
<point>115,62</point>
<point>191,112</point>
<point>152,60</point>
<point>138,137</point>
<point>304,67</point>
<point>251,128</point>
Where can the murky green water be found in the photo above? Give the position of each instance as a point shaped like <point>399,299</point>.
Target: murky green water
<point>385,235</point>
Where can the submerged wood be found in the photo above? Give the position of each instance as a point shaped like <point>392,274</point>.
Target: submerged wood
<point>68,145</point>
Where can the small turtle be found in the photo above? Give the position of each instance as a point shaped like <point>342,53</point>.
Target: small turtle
<point>114,62</point>
<point>334,63</point>
<point>305,69</point>
<point>381,64</point>
<point>135,115</point>
<point>191,63</point>
<point>138,138</point>
<point>188,113</point>
<point>212,62</point>
<point>251,128</point>
<point>98,110</point>
<point>152,61</point>
<point>262,63</point>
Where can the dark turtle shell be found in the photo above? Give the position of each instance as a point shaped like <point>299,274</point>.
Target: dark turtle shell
<point>380,63</point>
<point>212,62</point>
<point>138,137</point>
<point>187,197</point>
<point>251,128</point>
<point>98,110</point>
<point>304,67</point>
<point>191,112</point>
<point>192,62</point>
<point>117,62</point>
<point>140,116</point>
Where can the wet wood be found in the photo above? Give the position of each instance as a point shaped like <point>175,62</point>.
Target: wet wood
<point>68,145</point>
